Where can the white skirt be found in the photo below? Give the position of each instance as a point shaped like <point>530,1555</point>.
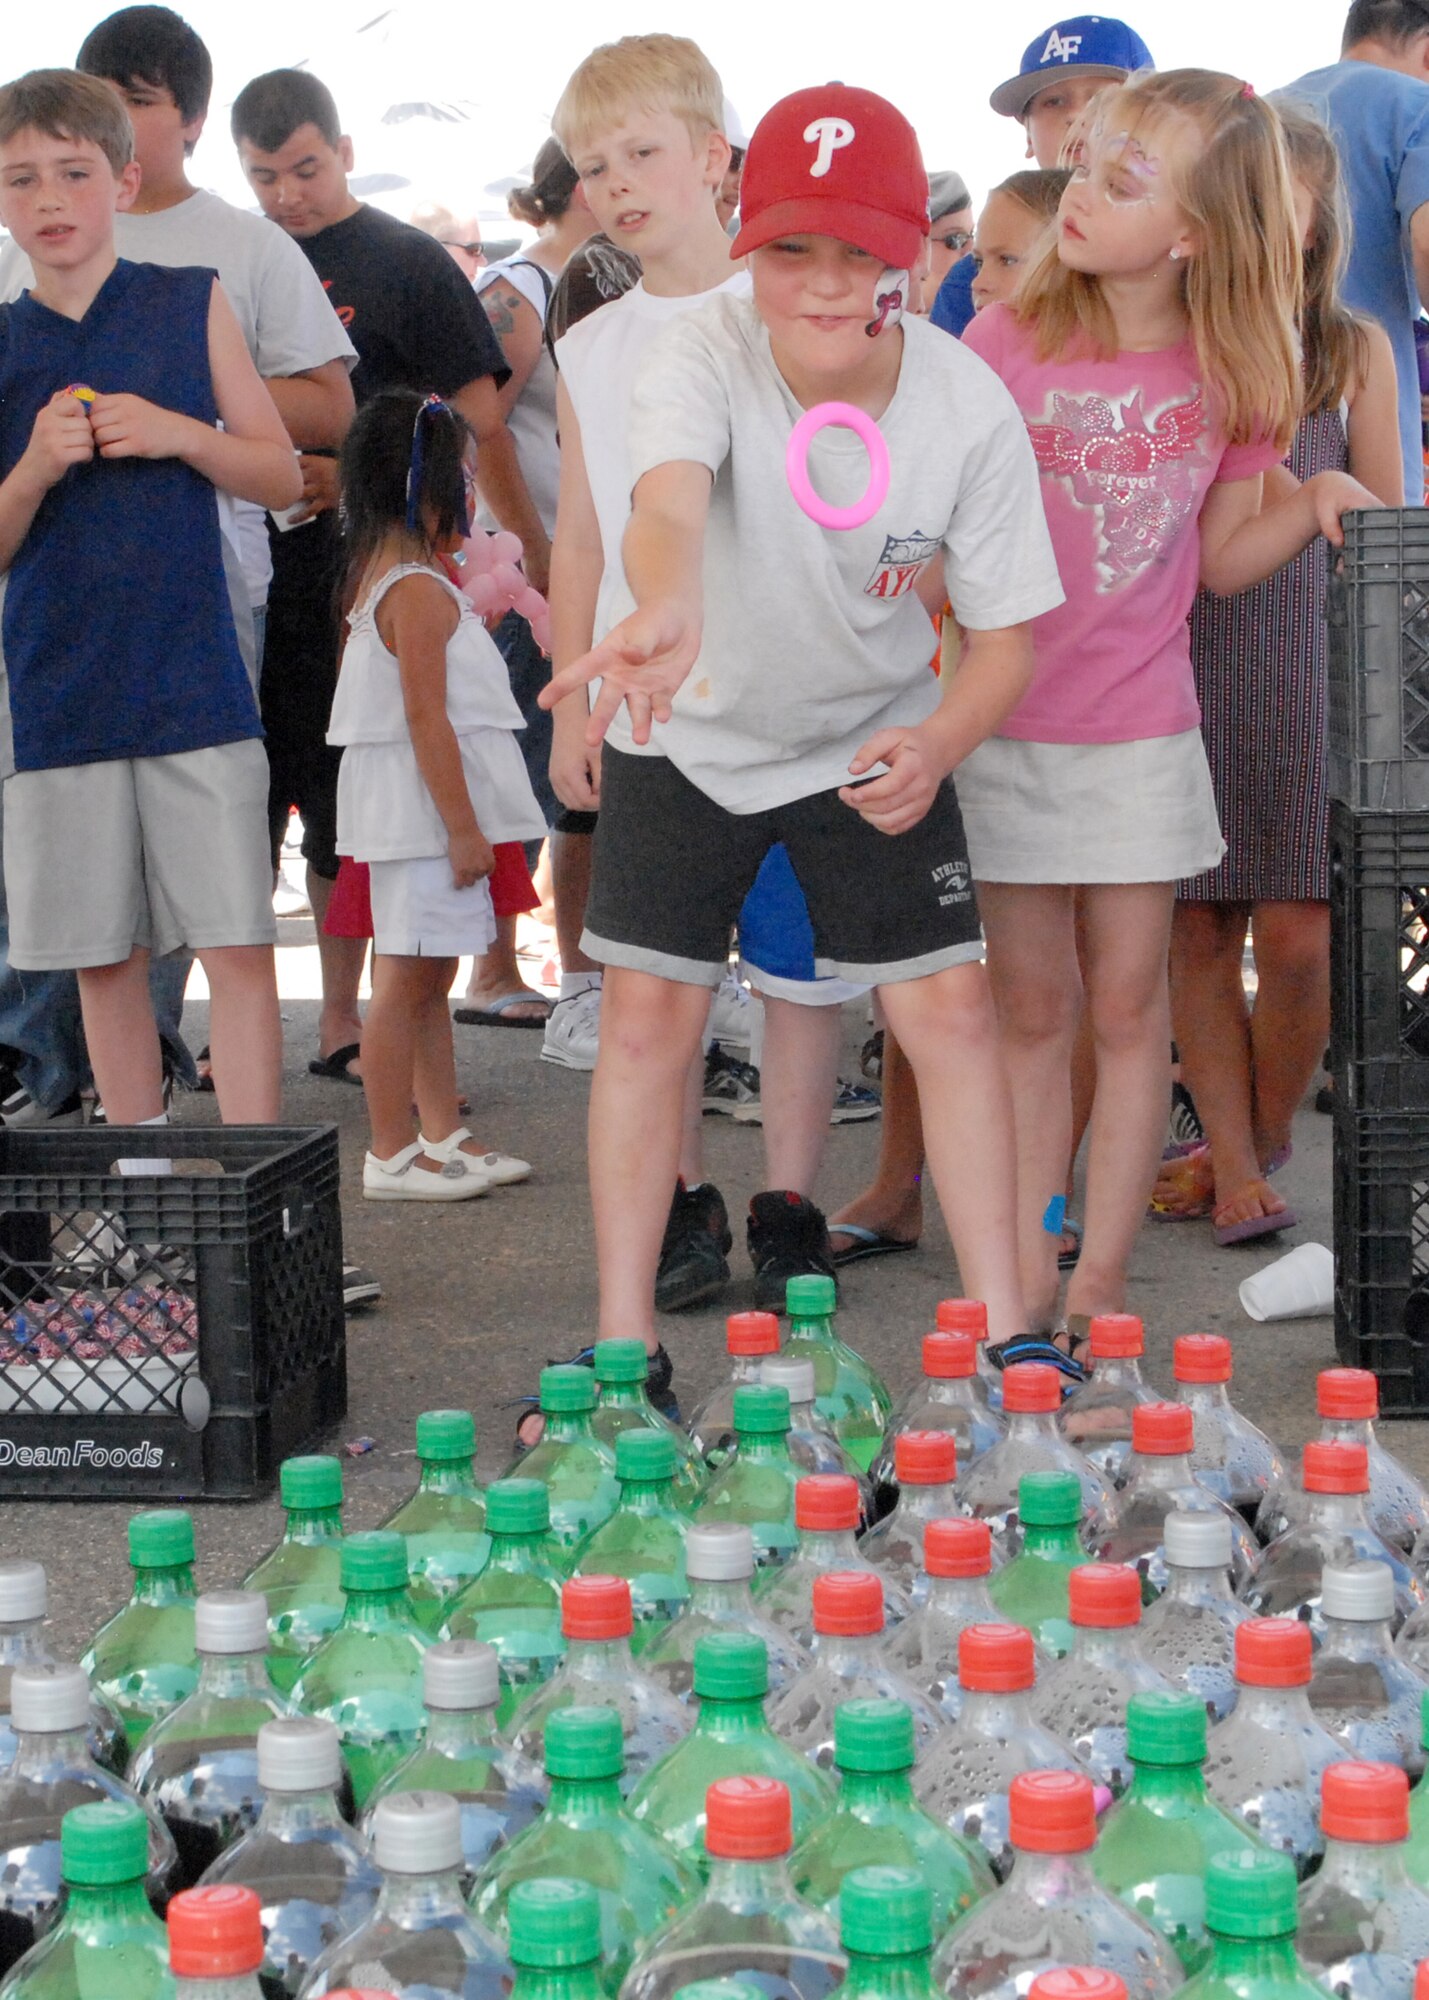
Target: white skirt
<point>417,912</point>
<point>1089,812</point>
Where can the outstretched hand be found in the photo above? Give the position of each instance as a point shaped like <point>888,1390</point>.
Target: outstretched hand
<point>901,797</point>
<point>643,662</point>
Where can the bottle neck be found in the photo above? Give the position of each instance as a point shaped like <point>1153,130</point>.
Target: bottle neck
<point>831,1548</point>
<point>288,1813</point>
<point>584,1798</point>
<point>996,1712</point>
<point>1029,1426</point>
<point>1207,1396</point>
<point>232,1676</point>
<point>647,1496</point>
<point>1356,1638</point>
<point>1198,1586</point>
<point>749,1884</point>
<point>164,1586</point>
<point>89,1911</point>
<point>1159,1470</point>
<point>715,1595</point>
<point>959,1595</point>
<point>416,1901</point>
<point>1368,1871</point>
<point>1045,1878</point>
<point>1337,1512</point>
<point>568,1427</point>
<point>1103,1645</point>
<point>1055,1543</point>
<point>820,1330</point>
<point>626,1396</point>
<point>1273,1708</point>
<point>765,1447</point>
<point>1121,1371</point>
<point>454,1731</point>
<point>908,1976</point>
<point>39,1751</point>
<point>725,1719</point>
<point>575,1982</point>
<point>377,1610</point>
<point>744,1369</point>
<point>864,1790</point>
<point>1260,1959</point>
<point>599,1659</point>
<point>514,1551</point>
<point>22,1642</point>
<point>926,1503</point>
<point>1347,1430</point>
<point>312,1526</point>
<point>449,1475</point>
<point>1160,1785</point>
<point>848,1652</point>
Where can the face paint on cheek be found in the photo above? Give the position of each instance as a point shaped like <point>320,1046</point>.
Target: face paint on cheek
<point>890,296</point>
<point>1120,168</point>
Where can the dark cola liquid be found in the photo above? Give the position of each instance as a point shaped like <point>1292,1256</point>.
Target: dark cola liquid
<point>209,1796</point>
<point>30,1863</point>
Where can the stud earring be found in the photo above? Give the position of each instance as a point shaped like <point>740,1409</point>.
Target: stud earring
<point>1174,254</point>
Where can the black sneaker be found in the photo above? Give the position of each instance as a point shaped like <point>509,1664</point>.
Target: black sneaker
<point>730,1085</point>
<point>1185,1128</point>
<point>693,1256</point>
<point>788,1238</point>
<point>359,1288</point>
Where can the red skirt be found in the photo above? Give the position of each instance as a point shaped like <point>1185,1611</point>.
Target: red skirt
<point>349,910</point>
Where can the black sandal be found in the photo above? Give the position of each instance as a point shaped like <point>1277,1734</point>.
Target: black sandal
<point>659,1375</point>
<point>1043,1347</point>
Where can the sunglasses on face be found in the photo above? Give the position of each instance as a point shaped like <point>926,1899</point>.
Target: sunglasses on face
<point>956,239</point>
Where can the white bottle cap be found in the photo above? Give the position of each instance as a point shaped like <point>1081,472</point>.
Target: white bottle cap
<point>299,1753</point>
<point>231,1621</point>
<point>1359,1590</point>
<point>49,1698</point>
<point>23,1592</point>
<point>1197,1541</point>
<point>791,1372</point>
<point>461,1673</point>
<point>722,1552</point>
<point>417,1833</point>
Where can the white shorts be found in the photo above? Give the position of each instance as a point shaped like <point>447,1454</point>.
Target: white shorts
<point>417,912</point>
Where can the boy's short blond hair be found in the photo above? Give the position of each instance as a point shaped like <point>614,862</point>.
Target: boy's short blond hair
<point>640,73</point>
<point>65,104</point>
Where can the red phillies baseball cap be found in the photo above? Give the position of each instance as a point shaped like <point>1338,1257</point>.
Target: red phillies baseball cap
<point>835,161</point>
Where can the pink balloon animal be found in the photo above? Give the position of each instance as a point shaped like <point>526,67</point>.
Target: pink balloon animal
<point>493,584</point>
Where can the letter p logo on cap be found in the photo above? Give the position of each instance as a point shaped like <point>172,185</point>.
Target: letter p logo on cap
<point>829,135</point>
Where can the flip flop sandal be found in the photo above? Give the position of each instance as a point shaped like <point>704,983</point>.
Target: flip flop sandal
<point>1040,1347</point>
<point>337,1067</point>
<point>1257,1226</point>
<point>659,1377</point>
<point>497,1013</point>
<point>866,1243</point>
<point>1068,1259</point>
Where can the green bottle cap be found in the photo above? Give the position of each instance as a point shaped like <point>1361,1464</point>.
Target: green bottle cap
<point>731,1666</point>
<point>161,1539</point>
<point>553,1922</point>
<point>645,1455</point>
<point>102,1844</point>
<point>621,1361</point>
<point>584,1743</point>
<point>518,1507</point>
<point>760,1408</point>
<point>305,1483</point>
<point>374,1560</point>
<point>873,1735</point>
<point>1251,1895</point>
<point>1049,1499</point>
<point>446,1434</point>
<point>885,1912</point>
<point>567,1387</point>
<point>1166,1727</point>
<point>810,1296</point>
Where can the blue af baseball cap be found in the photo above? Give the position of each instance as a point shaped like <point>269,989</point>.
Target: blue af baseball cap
<point>1089,45</point>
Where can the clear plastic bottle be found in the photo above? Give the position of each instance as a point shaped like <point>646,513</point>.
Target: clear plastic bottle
<point>622,1369</point>
<point>514,1606</point>
<point>1156,1481</point>
<point>1052,1911</point>
<point>1230,1456</point>
<point>850,1393</point>
<point>1367,1698</point>
<point>1032,1589</point>
<point>877,1819</point>
<point>1252,1914</point>
<point>106,1944</point>
<point>1364,1926</point>
<point>498,1792</point>
<point>1333,1530</point>
<point>444,1522</point>
<point>366,1677</point>
<point>1031,1398</point>
<point>53,1772</point>
<point>813,1442</point>
<point>749,1337</point>
<point>1083,1697</point>
<point>142,1661</point>
<point>554,1940</point>
<point>1264,1762</point>
<point>587,1834</point>
<point>216,1944</point>
<point>1157,1842</point>
<point>598,1671</point>
<point>575,1466</point>
<point>950,1395</point>
<point>719,1563</point>
<point>965,1780</point>
<point>756,1483</point>
<point>731,1738</point>
<point>748,1923</point>
<point>299,1577</point>
<point>198,1767</point>
<point>886,1918</point>
<point>644,1539</point>
<point>313,1876</point>
<point>24,1606</point>
<point>826,1516</point>
<point>1347,1400</point>
<point>1188,1634</point>
<point>925,1465</point>
<point>970,1316</point>
<point>848,1661</point>
<point>421,1938</point>
<point>1096,1417</point>
<point>957,1556</point>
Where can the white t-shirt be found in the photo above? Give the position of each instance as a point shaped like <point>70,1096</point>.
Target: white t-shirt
<point>601,358</point>
<point>814,638</point>
<point>277,298</point>
<point>532,422</point>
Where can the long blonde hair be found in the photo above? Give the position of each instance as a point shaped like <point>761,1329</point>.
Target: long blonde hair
<point>1241,289</point>
<point>1335,340</point>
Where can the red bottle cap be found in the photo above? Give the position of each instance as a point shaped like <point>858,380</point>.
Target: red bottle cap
<point>1364,1802</point>
<point>1162,1429</point>
<point>996,1659</point>
<point>956,1547</point>
<point>215,1933</point>
<point>848,1602</point>
<point>824,1501</point>
<point>596,1607</point>
<point>962,1316</point>
<point>948,1356</point>
<point>752,1333</point>
<point>1117,1336</point>
<point>1273,1653</point>
<point>1077,1982</point>
<point>1336,1468</point>
<point>1031,1385</point>
<point>925,1458</point>
<point>1202,1357</point>
<point>1104,1595</point>
<point>1348,1393</point>
<point>748,1819</point>
<point>1052,1812</point>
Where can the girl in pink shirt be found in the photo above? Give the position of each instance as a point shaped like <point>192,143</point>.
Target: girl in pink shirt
<point>1153,354</point>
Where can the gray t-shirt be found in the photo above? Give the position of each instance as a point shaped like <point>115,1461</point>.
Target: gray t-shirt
<point>814,638</point>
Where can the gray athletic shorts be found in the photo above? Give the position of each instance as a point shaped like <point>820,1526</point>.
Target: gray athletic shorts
<point>152,851</point>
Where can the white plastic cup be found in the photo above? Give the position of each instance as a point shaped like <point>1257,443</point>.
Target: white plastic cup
<point>1299,1285</point>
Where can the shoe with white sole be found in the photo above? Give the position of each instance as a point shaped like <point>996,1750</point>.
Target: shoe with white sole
<point>735,1013</point>
<point>399,1179</point>
<point>20,1109</point>
<point>496,1169</point>
<point>359,1288</point>
<point>572,1035</point>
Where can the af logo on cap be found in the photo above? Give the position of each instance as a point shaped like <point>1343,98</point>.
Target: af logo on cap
<point>1061,48</point>
<point>830,135</point>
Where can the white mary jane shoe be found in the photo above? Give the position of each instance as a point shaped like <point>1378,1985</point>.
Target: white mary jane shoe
<point>398,1179</point>
<point>496,1169</point>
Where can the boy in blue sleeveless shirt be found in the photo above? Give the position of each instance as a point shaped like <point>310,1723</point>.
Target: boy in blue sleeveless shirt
<point>135,781</point>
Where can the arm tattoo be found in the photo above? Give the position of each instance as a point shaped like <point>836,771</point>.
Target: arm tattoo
<point>501,303</point>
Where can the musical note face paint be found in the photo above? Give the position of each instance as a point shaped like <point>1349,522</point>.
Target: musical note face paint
<point>1119,167</point>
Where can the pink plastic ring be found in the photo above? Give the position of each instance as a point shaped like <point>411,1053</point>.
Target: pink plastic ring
<point>844,416</point>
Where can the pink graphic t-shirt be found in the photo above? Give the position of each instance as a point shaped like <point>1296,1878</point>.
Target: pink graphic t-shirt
<point>1127,450</point>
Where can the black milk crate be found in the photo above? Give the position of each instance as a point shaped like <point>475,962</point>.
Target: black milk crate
<point>1379,959</point>
<point>1377,612</point>
<point>1382,1253</point>
<point>166,1335</point>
